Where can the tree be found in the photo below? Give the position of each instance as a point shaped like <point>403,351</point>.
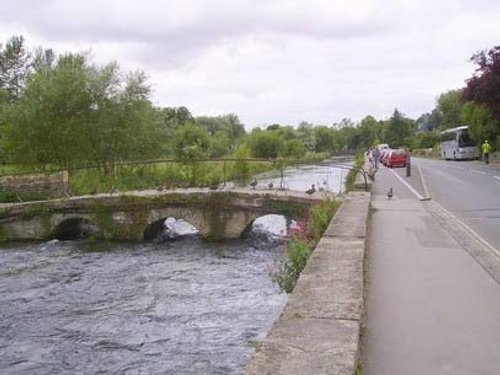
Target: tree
<point>348,138</point>
<point>370,132</point>
<point>45,124</point>
<point>426,139</point>
<point>265,144</point>
<point>399,128</point>
<point>15,63</point>
<point>235,129</point>
<point>484,86</point>
<point>228,124</point>
<point>73,113</point>
<point>345,122</point>
<point>220,145</point>
<point>172,118</point>
<point>191,142</point>
<point>293,148</point>
<point>450,105</point>
<point>483,89</point>
<point>430,121</point>
<point>306,135</point>
<point>482,124</point>
<point>325,140</point>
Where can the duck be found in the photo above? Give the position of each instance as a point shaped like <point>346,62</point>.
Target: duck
<point>390,193</point>
<point>214,187</point>
<point>270,185</point>
<point>253,184</point>
<point>312,190</point>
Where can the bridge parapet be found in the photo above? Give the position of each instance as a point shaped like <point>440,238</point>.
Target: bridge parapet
<point>125,216</point>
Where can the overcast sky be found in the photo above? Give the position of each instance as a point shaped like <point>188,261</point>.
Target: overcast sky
<point>274,61</point>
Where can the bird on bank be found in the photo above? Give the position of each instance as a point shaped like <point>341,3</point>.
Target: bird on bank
<point>160,188</point>
<point>253,184</point>
<point>214,187</point>
<point>312,190</point>
<point>270,185</point>
<point>390,193</point>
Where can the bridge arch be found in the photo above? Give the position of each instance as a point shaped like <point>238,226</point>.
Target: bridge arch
<point>217,215</point>
<point>75,227</point>
<point>157,228</point>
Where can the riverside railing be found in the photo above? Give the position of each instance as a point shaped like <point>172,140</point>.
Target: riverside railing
<point>164,174</point>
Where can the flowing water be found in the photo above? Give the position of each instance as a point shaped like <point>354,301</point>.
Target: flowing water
<point>180,307</point>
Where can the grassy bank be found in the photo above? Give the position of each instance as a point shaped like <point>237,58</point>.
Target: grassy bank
<point>167,174</point>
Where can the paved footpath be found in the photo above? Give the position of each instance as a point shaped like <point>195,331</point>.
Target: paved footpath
<point>433,303</point>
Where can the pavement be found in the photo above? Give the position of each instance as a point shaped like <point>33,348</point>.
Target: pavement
<point>433,295</point>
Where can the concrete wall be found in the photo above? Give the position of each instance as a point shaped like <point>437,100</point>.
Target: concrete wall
<point>53,184</point>
<point>318,331</point>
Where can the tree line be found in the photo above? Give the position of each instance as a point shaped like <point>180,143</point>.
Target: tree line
<point>65,111</point>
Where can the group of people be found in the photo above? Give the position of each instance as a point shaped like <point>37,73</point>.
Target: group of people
<point>373,154</point>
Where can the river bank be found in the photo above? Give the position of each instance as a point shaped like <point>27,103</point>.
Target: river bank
<point>318,331</point>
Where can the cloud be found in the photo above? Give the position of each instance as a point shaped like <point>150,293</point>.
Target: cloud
<point>275,60</point>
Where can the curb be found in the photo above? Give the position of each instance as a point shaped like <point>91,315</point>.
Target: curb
<point>319,329</point>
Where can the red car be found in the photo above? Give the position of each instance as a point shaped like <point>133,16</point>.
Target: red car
<point>397,158</point>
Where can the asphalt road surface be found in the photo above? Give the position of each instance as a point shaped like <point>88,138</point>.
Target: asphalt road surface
<point>469,190</point>
<point>433,296</point>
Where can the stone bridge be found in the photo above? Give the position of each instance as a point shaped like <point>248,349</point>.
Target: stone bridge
<point>135,216</point>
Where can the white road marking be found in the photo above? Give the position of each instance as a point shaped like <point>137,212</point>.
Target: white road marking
<point>497,177</point>
<point>426,191</point>
<point>417,194</point>
<point>478,172</point>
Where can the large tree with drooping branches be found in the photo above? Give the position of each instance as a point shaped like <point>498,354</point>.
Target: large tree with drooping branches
<point>484,90</point>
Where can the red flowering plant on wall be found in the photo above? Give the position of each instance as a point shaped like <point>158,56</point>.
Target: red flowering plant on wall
<point>300,241</point>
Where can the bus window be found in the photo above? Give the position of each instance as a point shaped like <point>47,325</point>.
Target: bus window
<point>464,140</point>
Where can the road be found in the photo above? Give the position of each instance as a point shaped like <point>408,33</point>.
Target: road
<point>433,291</point>
<point>469,190</point>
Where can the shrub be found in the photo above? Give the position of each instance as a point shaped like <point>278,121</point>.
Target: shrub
<point>301,242</point>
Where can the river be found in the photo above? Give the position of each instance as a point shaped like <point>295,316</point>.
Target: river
<point>179,307</point>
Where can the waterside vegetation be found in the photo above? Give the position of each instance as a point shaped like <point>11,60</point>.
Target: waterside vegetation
<point>66,112</point>
<point>301,242</point>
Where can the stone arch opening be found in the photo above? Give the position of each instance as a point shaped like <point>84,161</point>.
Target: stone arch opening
<point>75,229</point>
<point>273,227</point>
<point>169,228</point>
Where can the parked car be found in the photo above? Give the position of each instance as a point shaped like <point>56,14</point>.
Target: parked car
<point>397,158</point>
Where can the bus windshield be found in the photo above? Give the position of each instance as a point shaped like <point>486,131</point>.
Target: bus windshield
<point>465,141</point>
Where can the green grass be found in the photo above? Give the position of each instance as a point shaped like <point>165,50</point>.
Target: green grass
<point>147,176</point>
<point>168,174</point>
<point>140,176</point>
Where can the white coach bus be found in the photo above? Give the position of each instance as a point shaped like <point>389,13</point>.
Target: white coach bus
<point>456,144</point>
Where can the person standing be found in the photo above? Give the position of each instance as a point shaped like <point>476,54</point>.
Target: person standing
<point>376,156</point>
<point>486,149</point>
